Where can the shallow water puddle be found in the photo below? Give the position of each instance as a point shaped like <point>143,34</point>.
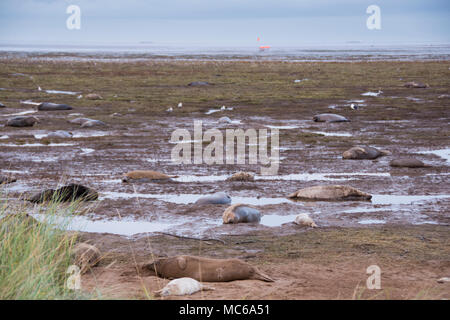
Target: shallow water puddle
<point>282,127</point>
<point>371,94</point>
<point>87,150</point>
<point>371,221</point>
<point>273,220</point>
<point>37,145</point>
<point>443,153</point>
<point>61,92</point>
<point>333,134</point>
<point>88,134</point>
<point>19,113</point>
<point>387,199</point>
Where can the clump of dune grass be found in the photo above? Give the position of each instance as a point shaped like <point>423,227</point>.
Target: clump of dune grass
<point>35,253</point>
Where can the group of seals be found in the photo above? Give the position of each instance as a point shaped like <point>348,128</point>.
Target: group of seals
<point>204,269</point>
<point>22,121</point>
<point>71,192</point>
<point>241,213</point>
<point>330,193</point>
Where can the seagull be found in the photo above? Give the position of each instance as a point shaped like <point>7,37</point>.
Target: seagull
<point>170,109</point>
<point>353,106</point>
<point>180,105</point>
<point>223,108</point>
<point>39,89</point>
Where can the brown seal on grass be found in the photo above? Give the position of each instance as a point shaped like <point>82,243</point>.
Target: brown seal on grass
<point>329,193</point>
<point>204,269</point>
<point>361,153</point>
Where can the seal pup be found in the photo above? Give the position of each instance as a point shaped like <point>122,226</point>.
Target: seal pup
<point>49,106</point>
<point>145,176</point>
<point>181,287</point>
<point>303,219</point>
<point>79,121</point>
<point>215,198</point>
<point>224,120</point>
<point>204,269</point>
<point>60,134</point>
<point>85,256</point>
<point>241,213</point>
<point>241,176</point>
<point>364,153</point>
<point>92,123</point>
<point>414,84</point>
<point>22,121</point>
<point>6,180</point>
<point>329,193</point>
<point>71,192</point>
<point>329,117</point>
<point>408,163</point>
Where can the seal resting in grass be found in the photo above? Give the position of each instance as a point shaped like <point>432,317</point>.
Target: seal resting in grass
<point>407,163</point>
<point>241,176</point>
<point>22,121</point>
<point>241,213</point>
<point>181,287</point>
<point>145,176</point>
<point>329,117</point>
<point>368,153</point>
<point>303,219</point>
<point>414,84</point>
<point>332,192</point>
<point>93,96</point>
<point>71,192</point>
<point>85,256</point>
<point>204,269</point>
<point>199,84</point>
<point>215,198</point>
<point>49,106</point>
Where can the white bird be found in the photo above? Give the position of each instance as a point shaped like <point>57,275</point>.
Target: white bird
<point>39,89</point>
<point>180,105</point>
<point>353,106</point>
<point>223,108</point>
<point>170,109</point>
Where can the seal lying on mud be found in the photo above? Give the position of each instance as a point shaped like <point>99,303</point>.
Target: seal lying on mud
<point>329,117</point>
<point>6,180</point>
<point>87,122</point>
<point>85,256</point>
<point>71,192</point>
<point>204,269</point>
<point>408,163</point>
<point>303,219</point>
<point>199,84</point>
<point>22,121</point>
<point>49,106</point>
<point>93,96</point>
<point>241,213</point>
<point>215,198</point>
<point>414,84</point>
<point>241,176</point>
<point>368,153</point>
<point>181,287</point>
<point>144,176</point>
<point>328,193</point>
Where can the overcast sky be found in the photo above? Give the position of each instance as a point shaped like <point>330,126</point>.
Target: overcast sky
<point>227,22</point>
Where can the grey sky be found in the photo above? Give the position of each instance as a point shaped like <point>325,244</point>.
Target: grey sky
<point>230,22</point>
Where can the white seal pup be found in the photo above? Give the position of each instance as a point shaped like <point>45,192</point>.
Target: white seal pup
<point>181,287</point>
<point>303,219</point>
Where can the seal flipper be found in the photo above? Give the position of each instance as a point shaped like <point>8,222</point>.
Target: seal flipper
<point>261,276</point>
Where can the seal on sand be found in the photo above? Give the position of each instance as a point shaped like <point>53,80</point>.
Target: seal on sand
<point>144,176</point>
<point>241,213</point>
<point>329,117</point>
<point>71,192</point>
<point>181,287</point>
<point>368,153</point>
<point>329,193</point>
<point>22,121</point>
<point>215,198</point>
<point>303,219</point>
<point>85,256</point>
<point>49,106</point>
<point>407,163</point>
<point>241,176</point>
<point>204,269</point>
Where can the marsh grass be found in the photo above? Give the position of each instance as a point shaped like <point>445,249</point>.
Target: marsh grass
<point>35,253</point>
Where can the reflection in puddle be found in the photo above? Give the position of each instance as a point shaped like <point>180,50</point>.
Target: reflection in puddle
<point>274,220</point>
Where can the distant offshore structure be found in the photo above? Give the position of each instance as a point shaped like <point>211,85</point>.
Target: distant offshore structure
<point>263,48</point>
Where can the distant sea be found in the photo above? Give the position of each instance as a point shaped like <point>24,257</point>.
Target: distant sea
<point>143,51</point>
